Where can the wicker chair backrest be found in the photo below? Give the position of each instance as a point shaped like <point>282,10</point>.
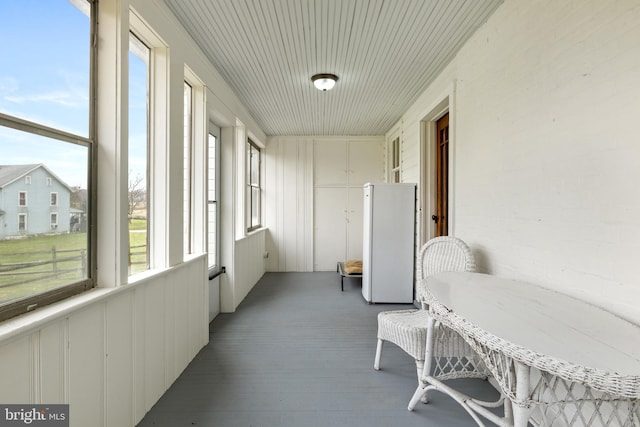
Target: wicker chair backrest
<point>442,254</point>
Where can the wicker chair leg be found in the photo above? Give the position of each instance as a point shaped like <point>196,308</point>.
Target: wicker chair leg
<point>376,363</point>
<point>420,369</point>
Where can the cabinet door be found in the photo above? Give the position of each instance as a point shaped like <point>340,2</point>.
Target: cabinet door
<point>330,217</point>
<point>354,223</point>
<point>330,163</point>
<point>365,162</point>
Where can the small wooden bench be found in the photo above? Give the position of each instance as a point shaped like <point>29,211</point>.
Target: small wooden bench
<point>343,274</point>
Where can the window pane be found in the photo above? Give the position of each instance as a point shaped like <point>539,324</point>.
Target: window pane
<point>45,66</point>
<point>213,234</point>
<point>253,186</point>
<point>43,246</point>
<point>187,167</point>
<point>212,168</point>
<point>254,164</point>
<point>138,155</point>
<point>255,207</point>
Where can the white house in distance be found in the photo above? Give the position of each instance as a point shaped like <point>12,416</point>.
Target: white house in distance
<point>33,200</point>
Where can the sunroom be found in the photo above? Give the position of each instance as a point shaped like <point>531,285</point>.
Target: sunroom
<point>188,157</point>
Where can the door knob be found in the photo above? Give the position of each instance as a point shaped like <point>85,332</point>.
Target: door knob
<point>435,218</point>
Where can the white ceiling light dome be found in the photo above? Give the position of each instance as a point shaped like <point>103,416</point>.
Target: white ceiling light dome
<point>324,81</point>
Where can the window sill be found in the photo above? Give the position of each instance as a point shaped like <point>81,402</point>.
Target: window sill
<point>42,316</point>
<point>38,318</point>
<point>257,230</point>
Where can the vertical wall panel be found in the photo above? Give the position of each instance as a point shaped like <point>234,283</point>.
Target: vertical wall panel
<point>171,300</point>
<point>87,366</point>
<point>251,250</point>
<point>119,361</point>
<point>139,352</point>
<point>16,369</point>
<point>53,362</point>
<point>290,207</point>
<point>179,295</point>
<point>155,340</point>
<point>330,238</point>
<point>197,308</point>
<point>290,192</point>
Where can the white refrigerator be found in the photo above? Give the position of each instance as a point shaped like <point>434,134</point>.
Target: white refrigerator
<point>389,243</point>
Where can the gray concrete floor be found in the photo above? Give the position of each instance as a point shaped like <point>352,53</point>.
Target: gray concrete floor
<point>299,352</point>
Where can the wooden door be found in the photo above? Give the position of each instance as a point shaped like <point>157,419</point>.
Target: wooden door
<point>442,177</point>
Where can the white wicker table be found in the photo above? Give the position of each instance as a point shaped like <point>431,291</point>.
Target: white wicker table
<point>556,359</point>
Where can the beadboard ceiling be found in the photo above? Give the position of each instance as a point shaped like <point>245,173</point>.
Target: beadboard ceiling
<point>385,53</point>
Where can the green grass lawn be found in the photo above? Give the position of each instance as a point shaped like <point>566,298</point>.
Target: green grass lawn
<point>18,280</point>
<point>138,245</point>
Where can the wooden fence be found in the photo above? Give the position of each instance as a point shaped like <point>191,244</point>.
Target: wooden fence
<point>49,264</point>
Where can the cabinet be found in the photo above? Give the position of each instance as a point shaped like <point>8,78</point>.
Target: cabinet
<point>341,168</point>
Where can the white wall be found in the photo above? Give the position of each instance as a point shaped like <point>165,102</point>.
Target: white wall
<point>289,207</point>
<point>113,351</point>
<point>110,354</point>
<point>546,151</point>
<point>292,167</point>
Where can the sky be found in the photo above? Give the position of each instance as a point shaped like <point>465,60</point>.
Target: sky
<point>44,78</point>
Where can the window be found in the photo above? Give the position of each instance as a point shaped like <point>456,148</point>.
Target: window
<point>188,178</point>
<point>54,199</point>
<point>194,165</point>
<point>54,221</point>
<point>138,191</point>
<point>46,123</point>
<point>22,222</point>
<point>213,191</point>
<point>395,159</point>
<point>22,198</point>
<point>253,186</point>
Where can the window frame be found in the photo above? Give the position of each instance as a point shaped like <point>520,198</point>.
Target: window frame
<point>53,198</point>
<point>23,201</point>
<point>159,214</point>
<point>215,132</point>
<point>135,33</point>
<point>23,224</point>
<point>195,154</point>
<point>28,303</point>
<point>188,168</point>
<point>394,160</point>
<point>251,146</point>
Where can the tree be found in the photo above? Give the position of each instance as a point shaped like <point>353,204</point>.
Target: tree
<point>137,195</point>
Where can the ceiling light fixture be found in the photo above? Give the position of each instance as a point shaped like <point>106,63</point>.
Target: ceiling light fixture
<point>324,81</point>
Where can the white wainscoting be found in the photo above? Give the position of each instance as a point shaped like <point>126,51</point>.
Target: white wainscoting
<point>249,263</point>
<point>214,298</point>
<point>109,353</point>
<point>243,271</point>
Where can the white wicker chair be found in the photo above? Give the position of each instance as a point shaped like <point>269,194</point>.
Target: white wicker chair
<point>453,357</point>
